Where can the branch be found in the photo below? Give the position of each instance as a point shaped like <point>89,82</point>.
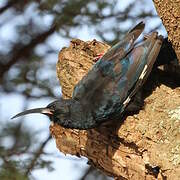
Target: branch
<point>8,5</point>
<point>37,154</point>
<point>25,51</point>
<point>145,145</point>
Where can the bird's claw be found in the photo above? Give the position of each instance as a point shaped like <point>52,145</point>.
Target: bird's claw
<point>98,56</point>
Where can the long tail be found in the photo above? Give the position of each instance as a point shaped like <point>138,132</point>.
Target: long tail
<point>137,30</point>
<point>36,110</point>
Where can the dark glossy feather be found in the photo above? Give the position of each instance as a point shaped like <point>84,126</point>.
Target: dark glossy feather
<point>110,85</point>
<point>107,62</point>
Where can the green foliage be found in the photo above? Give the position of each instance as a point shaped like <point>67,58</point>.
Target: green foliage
<point>11,172</point>
<point>18,155</point>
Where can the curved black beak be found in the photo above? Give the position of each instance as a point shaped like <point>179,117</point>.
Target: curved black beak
<point>46,111</point>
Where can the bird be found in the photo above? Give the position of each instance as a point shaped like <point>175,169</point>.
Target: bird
<point>109,86</point>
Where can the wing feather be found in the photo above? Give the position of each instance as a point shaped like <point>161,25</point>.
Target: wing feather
<point>104,67</point>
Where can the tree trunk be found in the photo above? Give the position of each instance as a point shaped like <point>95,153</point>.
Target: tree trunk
<point>169,12</point>
<point>142,146</point>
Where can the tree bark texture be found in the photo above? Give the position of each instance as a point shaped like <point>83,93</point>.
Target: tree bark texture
<point>141,146</point>
<point>169,12</point>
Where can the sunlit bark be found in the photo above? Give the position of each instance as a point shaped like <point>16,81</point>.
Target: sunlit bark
<point>145,145</point>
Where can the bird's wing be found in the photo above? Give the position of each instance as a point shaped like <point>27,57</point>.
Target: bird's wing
<point>149,50</point>
<point>116,86</point>
<point>99,71</point>
<point>125,44</point>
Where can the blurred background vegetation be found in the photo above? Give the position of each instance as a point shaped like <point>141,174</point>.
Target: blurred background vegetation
<point>31,34</point>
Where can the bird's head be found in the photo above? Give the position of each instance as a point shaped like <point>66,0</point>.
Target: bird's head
<point>57,109</point>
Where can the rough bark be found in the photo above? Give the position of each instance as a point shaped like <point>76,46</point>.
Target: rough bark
<point>169,12</point>
<point>142,146</point>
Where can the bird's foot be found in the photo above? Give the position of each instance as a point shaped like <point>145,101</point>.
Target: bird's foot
<point>98,56</point>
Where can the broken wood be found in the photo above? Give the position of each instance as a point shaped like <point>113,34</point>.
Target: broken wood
<point>144,145</point>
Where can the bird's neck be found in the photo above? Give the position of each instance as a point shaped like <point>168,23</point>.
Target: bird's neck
<point>76,116</point>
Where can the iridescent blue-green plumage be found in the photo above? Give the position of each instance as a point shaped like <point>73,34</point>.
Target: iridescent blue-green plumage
<point>109,86</point>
